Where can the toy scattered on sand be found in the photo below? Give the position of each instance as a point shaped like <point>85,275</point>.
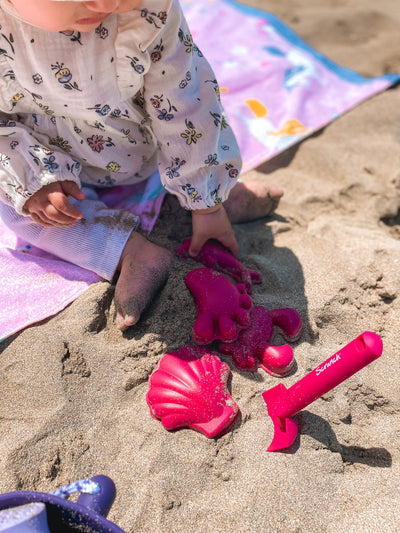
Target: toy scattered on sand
<point>41,512</point>
<point>189,390</point>
<point>252,349</point>
<point>283,403</point>
<point>222,307</point>
<point>214,255</point>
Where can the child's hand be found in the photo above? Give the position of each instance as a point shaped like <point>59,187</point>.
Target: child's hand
<point>49,206</point>
<point>212,223</point>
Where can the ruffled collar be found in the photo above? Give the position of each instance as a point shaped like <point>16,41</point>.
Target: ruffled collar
<point>10,9</point>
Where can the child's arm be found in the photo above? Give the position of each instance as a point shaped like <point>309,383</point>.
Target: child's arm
<point>199,159</point>
<point>212,223</point>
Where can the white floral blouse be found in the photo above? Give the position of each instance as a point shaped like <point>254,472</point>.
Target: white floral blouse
<point>107,107</point>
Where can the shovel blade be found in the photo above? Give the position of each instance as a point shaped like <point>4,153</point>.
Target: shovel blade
<point>285,433</point>
<point>285,429</point>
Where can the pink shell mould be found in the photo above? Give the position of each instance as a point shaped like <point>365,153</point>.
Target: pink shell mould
<point>188,390</point>
<point>253,349</point>
<point>214,255</point>
<point>222,307</point>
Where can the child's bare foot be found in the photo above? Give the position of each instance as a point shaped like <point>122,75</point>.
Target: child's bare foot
<point>144,268</point>
<point>249,200</point>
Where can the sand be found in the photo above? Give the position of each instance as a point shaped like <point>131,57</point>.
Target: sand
<point>72,389</point>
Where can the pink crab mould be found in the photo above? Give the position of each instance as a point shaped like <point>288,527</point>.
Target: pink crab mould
<point>189,390</point>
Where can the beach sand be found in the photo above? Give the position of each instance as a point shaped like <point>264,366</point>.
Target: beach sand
<point>72,389</point>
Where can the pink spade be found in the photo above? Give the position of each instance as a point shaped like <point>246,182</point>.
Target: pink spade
<point>283,403</point>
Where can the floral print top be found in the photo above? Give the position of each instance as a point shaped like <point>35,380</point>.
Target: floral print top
<point>110,106</point>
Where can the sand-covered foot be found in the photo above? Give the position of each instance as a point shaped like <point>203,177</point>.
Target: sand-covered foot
<point>249,200</point>
<point>144,268</point>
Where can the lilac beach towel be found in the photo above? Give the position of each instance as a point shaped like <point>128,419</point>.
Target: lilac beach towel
<point>268,77</point>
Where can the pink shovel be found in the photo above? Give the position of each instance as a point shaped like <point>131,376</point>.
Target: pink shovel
<point>283,403</point>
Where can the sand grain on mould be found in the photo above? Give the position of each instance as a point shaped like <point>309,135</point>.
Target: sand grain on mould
<point>72,390</point>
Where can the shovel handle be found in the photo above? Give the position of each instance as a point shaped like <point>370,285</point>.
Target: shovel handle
<point>102,501</point>
<point>353,357</point>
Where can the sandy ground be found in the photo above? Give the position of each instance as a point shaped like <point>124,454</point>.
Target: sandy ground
<point>72,398</point>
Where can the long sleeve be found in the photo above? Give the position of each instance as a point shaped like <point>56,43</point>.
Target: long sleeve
<point>199,159</point>
<point>27,164</point>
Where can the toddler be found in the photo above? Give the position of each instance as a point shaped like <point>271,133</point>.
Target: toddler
<point>104,93</point>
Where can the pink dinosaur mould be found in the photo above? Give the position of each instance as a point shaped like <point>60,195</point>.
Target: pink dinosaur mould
<point>214,255</point>
<point>222,307</point>
<point>252,349</point>
<point>188,390</point>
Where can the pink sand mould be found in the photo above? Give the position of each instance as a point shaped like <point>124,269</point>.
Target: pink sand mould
<point>223,308</point>
<point>252,349</point>
<point>189,390</point>
<point>214,255</point>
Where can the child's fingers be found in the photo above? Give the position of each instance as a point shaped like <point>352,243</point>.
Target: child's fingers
<point>43,220</point>
<point>49,216</point>
<point>196,245</point>
<point>38,220</point>
<point>62,205</point>
<point>230,242</point>
<point>52,214</point>
<point>70,188</point>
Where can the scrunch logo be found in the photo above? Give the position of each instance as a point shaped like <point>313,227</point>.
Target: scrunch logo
<point>329,363</point>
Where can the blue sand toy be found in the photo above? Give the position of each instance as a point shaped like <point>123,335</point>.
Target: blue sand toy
<point>42,512</point>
